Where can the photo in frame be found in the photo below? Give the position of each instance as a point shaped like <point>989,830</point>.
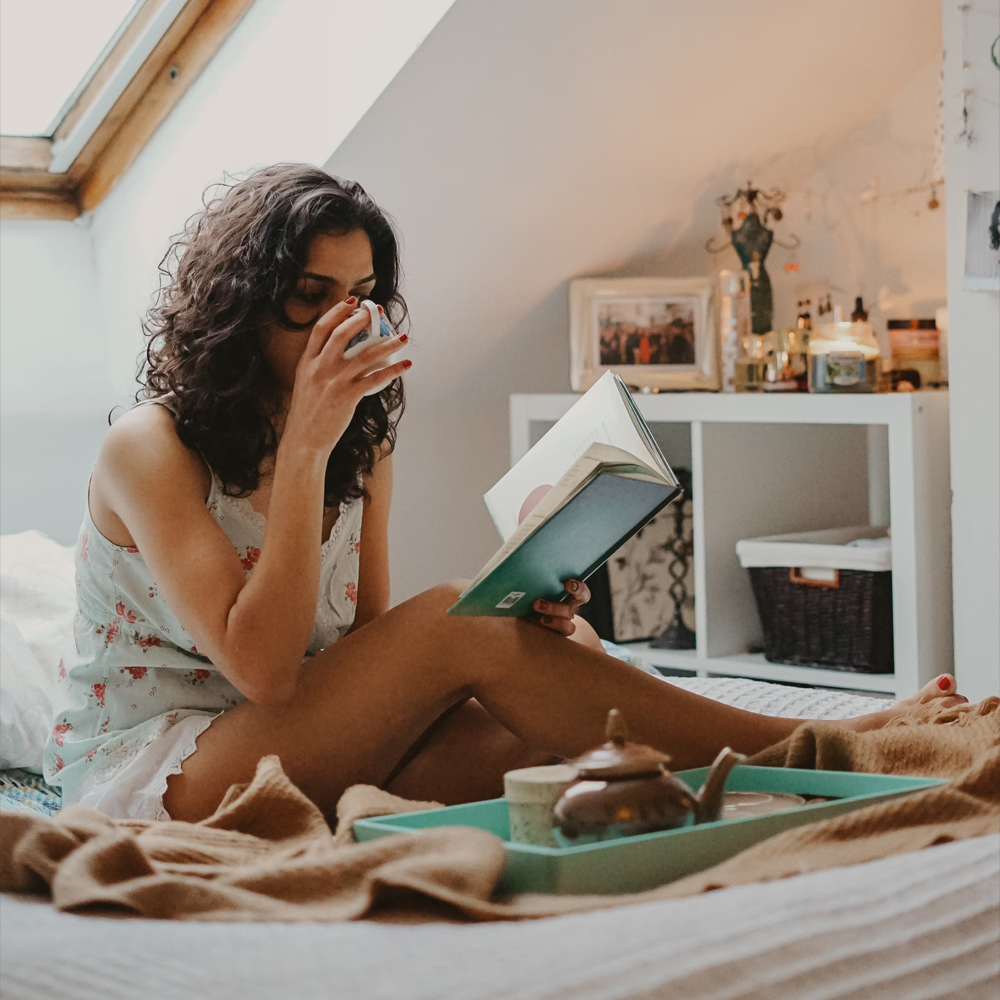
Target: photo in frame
<point>656,333</point>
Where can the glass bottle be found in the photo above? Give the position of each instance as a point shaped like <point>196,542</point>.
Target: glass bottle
<point>734,324</point>
<point>804,331</point>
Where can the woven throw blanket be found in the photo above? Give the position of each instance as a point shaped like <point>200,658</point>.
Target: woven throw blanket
<point>268,854</point>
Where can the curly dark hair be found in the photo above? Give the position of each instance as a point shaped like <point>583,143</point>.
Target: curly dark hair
<point>233,268</point>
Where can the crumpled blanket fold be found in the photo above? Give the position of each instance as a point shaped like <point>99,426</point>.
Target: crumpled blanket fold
<point>268,854</point>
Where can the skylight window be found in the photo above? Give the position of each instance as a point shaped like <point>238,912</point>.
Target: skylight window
<point>84,84</point>
<point>49,49</point>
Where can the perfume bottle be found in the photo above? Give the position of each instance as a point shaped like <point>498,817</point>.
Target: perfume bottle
<point>804,330</point>
<point>785,361</point>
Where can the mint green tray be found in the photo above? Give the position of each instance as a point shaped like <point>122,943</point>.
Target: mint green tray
<point>633,864</point>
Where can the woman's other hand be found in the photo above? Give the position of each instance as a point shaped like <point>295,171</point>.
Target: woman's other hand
<point>559,617</point>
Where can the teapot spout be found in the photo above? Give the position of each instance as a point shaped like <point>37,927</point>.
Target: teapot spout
<point>708,801</point>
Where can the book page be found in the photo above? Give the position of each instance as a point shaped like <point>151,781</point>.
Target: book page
<point>600,416</point>
<point>642,429</point>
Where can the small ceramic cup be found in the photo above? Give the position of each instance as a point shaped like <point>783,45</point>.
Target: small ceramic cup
<point>531,792</point>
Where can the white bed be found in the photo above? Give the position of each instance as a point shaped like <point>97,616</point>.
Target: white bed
<point>917,927</point>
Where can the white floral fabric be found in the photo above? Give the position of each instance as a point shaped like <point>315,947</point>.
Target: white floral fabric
<point>137,672</point>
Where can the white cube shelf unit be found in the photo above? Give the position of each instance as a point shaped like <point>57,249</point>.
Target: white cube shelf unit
<point>763,465</point>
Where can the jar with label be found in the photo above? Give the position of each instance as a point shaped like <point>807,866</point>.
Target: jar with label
<point>843,357</point>
<point>915,346</point>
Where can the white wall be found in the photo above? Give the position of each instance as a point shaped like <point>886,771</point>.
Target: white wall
<point>530,142</point>
<point>54,384</point>
<point>289,84</point>
<point>859,208</point>
<point>974,356</point>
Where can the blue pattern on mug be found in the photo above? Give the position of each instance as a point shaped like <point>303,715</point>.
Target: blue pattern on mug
<point>385,330</point>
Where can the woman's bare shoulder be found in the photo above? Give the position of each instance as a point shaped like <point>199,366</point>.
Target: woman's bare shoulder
<point>143,445</point>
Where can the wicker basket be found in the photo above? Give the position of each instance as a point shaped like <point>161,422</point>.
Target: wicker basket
<point>847,627</point>
<point>825,615</point>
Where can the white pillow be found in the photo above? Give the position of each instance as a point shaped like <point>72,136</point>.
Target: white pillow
<point>37,607</point>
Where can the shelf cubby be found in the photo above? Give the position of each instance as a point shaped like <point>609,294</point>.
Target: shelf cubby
<point>774,464</point>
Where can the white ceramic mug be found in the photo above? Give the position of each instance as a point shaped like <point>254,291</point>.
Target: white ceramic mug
<point>377,322</point>
<point>531,792</point>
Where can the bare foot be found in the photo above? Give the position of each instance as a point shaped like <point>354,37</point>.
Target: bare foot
<point>942,691</point>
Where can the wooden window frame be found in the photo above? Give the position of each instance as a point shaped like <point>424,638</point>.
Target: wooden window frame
<point>31,189</point>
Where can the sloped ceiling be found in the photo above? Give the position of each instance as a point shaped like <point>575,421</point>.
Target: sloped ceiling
<point>530,141</point>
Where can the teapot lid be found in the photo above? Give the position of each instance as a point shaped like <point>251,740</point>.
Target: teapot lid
<point>619,758</point>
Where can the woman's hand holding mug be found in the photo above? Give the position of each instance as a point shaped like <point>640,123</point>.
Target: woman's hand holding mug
<point>329,384</point>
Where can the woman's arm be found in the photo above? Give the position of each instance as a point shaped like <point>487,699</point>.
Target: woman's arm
<point>255,631</point>
<point>373,582</point>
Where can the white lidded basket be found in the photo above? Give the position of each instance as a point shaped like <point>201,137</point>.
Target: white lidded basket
<point>822,551</point>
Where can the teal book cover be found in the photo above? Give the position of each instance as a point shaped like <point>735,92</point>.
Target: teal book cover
<point>572,544</point>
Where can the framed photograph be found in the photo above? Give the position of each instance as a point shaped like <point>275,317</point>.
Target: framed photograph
<point>654,332</point>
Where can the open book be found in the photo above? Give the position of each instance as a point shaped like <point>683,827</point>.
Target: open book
<point>579,494</point>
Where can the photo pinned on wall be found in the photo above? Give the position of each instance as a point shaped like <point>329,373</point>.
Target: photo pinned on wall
<point>982,242</point>
<point>656,333</point>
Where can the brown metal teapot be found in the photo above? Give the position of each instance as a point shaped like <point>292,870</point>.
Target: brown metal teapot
<point>624,788</point>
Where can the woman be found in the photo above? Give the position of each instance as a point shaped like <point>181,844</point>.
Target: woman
<point>232,567</point>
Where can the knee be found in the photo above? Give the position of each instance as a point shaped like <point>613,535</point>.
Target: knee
<point>585,635</point>
<point>450,592</point>
<point>443,596</point>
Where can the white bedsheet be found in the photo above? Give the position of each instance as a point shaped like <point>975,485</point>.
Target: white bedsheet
<point>922,926</point>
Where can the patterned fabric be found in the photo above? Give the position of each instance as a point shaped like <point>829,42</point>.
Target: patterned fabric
<point>23,791</point>
<point>137,671</point>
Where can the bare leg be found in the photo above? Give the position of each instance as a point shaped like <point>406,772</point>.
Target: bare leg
<point>360,705</point>
<point>465,753</point>
<point>464,759</point>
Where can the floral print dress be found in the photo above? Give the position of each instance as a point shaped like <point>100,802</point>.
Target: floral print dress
<point>137,673</point>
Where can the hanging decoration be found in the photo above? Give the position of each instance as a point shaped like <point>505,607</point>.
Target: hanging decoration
<point>745,215</point>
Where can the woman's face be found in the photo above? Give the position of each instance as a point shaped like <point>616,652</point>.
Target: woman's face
<point>337,266</point>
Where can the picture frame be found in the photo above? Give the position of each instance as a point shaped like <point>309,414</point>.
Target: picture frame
<point>656,333</point>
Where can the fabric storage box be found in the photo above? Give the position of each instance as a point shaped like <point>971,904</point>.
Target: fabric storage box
<point>824,597</point>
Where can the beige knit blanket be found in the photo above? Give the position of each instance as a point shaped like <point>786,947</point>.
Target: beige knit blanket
<point>268,854</point>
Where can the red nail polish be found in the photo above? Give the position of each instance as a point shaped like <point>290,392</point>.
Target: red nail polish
<point>403,338</point>
<point>407,363</point>
<point>351,299</point>
<point>944,683</point>
<point>546,619</point>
